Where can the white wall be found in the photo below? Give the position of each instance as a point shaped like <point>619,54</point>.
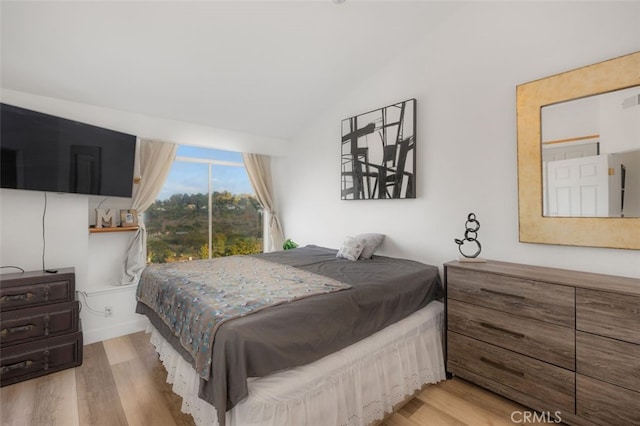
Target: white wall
<point>620,127</point>
<point>62,237</point>
<point>97,258</point>
<point>604,115</point>
<point>463,75</point>
<point>145,126</point>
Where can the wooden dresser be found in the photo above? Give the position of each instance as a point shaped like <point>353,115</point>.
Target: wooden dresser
<point>564,343</point>
<point>39,325</point>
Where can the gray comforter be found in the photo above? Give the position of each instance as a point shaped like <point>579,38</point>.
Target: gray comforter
<point>384,291</point>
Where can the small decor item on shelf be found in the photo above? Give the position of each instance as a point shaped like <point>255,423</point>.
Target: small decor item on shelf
<point>289,244</point>
<point>128,218</point>
<point>105,217</point>
<point>472,225</point>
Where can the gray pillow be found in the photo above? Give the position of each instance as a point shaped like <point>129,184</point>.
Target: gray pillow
<point>351,248</point>
<point>371,243</point>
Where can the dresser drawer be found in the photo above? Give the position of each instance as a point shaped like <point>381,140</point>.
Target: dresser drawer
<point>541,301</point>
<point>606,404</point>
<point>548,342</point>
<point>29,360</point>
<point>30,324</point>
<point>25,295</point>
<point>608,314</point>
<point>553,386</point>
<point>609,360</point>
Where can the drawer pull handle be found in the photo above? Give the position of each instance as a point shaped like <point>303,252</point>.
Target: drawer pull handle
<point>17,297</point>
<point>46,360</point>
<point>500,293</point>
<point>504,330</point>
<point>20,329</point>
<point>23,364</point>
<point>502,367</point>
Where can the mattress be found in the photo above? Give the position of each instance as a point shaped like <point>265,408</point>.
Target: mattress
<point>379,292</point>
<point>354,386</point>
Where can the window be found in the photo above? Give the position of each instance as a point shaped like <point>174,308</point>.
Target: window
<point>207,208</point>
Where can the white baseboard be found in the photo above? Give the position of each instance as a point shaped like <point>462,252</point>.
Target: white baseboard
<point>106,333</point>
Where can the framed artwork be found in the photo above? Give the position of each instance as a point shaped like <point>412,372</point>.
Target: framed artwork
<point>379,153</point>
<point>128,218</point>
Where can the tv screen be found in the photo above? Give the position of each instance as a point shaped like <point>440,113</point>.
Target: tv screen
<point>42,152</point>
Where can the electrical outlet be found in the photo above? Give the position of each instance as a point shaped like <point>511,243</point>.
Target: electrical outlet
<point>108,311</point>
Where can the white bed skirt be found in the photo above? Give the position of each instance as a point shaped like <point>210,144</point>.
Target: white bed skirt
<point>354,386</point>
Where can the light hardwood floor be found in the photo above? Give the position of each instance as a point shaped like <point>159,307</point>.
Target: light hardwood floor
<point>122,382</point>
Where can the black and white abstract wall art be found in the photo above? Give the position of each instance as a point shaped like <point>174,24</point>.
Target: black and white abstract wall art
<point>379,153</point>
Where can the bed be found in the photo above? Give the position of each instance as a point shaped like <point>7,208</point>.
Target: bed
<point>273,338</point>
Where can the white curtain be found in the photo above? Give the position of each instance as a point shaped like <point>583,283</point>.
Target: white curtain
<point>259,171</point>
<point>155,158</point>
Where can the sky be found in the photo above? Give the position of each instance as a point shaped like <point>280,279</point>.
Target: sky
<point>191,178</point>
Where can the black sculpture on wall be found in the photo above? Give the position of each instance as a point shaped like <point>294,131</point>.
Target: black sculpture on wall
<point>379,153</point>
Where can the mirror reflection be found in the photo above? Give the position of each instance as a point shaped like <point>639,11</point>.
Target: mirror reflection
<point>591,156</point>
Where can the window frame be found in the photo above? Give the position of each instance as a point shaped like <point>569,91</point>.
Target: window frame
<point>211,162</point>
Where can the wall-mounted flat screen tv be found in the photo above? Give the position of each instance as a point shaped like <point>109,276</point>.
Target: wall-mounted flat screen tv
<point>42,152</point>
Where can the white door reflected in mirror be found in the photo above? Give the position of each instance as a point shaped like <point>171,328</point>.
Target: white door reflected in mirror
<point>591,156</point>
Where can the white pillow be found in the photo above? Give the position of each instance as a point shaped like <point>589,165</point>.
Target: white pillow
<point>351,248</point>
<point>371,244</point>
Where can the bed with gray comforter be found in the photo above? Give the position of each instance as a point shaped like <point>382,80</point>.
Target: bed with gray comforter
<point>228,338</point>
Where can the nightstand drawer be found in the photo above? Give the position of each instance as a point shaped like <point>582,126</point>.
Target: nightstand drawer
<point>541,301</point>
<point>553,386</point>
<point>606,404</point>
<point>36,294</point>
<point>608,314</point>
<point>608,360</point>
<point>548,342</point>
<point>24,325</point>
<point>29,360</point>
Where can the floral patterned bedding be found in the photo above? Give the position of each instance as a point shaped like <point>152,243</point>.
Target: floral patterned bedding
<point>193,299</point>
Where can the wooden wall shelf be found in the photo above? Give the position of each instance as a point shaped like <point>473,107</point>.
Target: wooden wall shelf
<point>113,229</point>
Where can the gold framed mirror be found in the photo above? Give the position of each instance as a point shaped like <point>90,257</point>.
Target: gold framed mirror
<point>612,232</point>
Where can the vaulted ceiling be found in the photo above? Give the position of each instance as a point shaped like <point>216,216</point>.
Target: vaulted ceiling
<point>260,67</point>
